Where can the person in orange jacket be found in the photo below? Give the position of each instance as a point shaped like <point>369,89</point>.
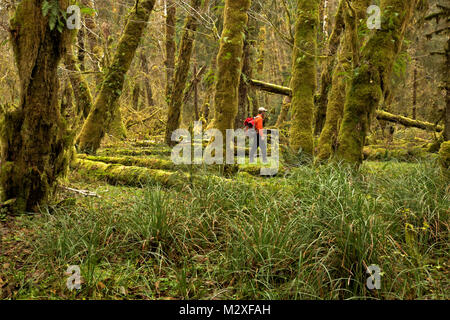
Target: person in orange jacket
<point>259,139</point>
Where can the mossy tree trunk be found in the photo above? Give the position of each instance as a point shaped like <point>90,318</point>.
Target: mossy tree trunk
<point>336,98</point>
<point>175,98</point>
<point>371,77</point>
<point>229,64</point>
<point>328,66</point>
<point>171,19</point>
<point>303,82</point>
<point>284,111</point>
<point>106,105</point>
<point>35,141</point>
<point>82,93</point>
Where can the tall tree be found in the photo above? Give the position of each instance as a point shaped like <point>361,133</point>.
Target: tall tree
<point>336,99</point>
<point>229,64</point>
<point>106,105</point>
<point>35,141</point>
<point>371,77</point>
<point>182,67</point>
<point>303,82</point>
<point>171,19</point>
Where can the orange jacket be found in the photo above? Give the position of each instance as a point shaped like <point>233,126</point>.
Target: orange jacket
<point>259,124</point>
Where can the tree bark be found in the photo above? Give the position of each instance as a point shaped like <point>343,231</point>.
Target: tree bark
<point>106,105</point>
<point>35,140</point>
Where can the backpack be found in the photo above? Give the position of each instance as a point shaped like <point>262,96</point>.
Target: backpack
<point>249,122</point>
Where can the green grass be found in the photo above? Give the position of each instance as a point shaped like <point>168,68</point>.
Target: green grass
<point>308,235</point>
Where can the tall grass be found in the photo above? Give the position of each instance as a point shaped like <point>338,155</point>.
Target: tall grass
<point>310,235</point>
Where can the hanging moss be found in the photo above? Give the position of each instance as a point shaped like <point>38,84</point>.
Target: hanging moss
<point>229,64</point>
<point>370,77</point>
<point>102,114</point>
<point>303,82</point>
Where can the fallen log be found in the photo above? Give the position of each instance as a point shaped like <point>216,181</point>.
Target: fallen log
<point>269,87</point>
<point>407,122</point>
<point>381,115</point>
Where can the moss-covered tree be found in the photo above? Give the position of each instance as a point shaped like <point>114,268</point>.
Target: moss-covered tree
<point>229,64</point>
<point>106,105</point>
<point>35,141</point>
<point>328,66</point>
<point>370,78</point>
<point>171,19</point>
<point>303,82</point>
<point>353,12</point>
<point>175,98</point>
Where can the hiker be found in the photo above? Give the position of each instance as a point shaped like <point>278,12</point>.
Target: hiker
<point>254,128</point>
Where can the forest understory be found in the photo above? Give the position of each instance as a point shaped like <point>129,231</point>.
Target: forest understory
<point>308,233</point>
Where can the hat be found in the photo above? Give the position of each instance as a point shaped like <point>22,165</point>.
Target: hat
<point>262,110</point>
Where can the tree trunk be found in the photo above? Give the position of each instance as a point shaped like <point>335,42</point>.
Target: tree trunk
<point>371,79</point>
<point>80,86</point>
<point>229,64</point>
<point>35,141</point>
<point>303,82</point>
<point>171,19</point>
<point>106,105</point>
<point>336,99</point>
<point>181,72</point>
<point>327,71</point>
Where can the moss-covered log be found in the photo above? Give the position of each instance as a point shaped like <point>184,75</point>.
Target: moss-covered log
<point>303,82</point>
<point>151,163</point>
<point>106,105</point>
<point>35,141</point>
<point>270,87</point>
<point>370,78</point>
<point>128,175</point>
<point>229,64</point>
<point>175,98</point>
<point>407,122</point>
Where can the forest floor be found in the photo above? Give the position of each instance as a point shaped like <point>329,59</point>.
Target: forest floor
<point>308,233</point>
